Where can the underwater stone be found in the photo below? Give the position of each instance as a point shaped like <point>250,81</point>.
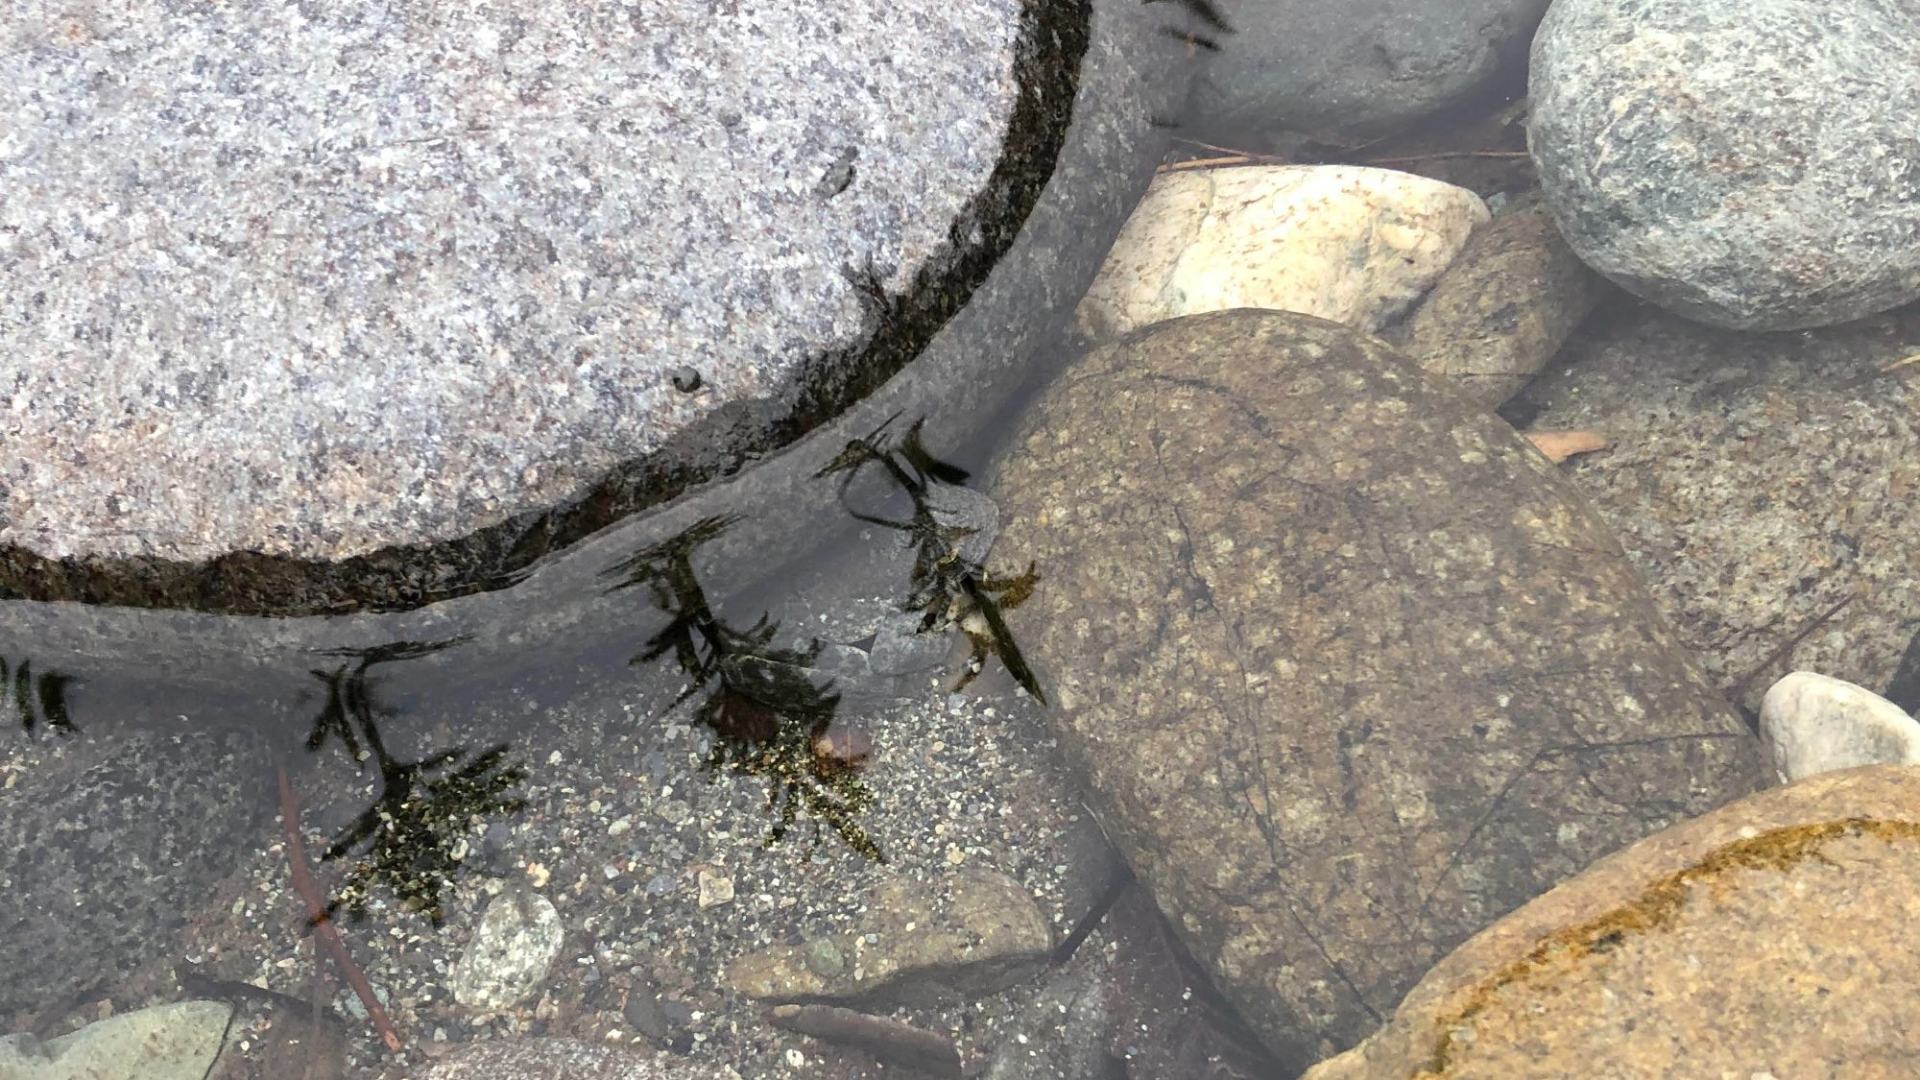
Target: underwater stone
<point>1348,669</point>
<point>113,842</point>
<point>1745,163</point>
<point>178,1041</point>
<point>253,302</point>
<point>949,941</point>
<point>516,942</point>
<point>565,1059</point>
<point>1770,938</point>
<point>1816,723</point>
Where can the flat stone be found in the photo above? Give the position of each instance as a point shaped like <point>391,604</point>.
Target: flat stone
<point>1503,306</point>
<point>1771,938</point>
<point>507,960</point>
<point>167,1042</point>
<point>1348,669</point>
<point>970,935</point>
<point>1746,163</point>
<point>566,1059</point>
<point>313,284</point>
<point>1757,481</point>
<point>1062,1035</point>
<point>1351,244</point>
<point>1815,723</point>
<point>1354,68</point>
<point>115,841</point>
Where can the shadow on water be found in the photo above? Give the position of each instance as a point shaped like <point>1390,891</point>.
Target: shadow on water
<point>40,700</point>
<point>411,839</point>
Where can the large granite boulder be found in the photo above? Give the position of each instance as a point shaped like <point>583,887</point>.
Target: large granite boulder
<point>287,334</point>
<point>1349,671</point>
<point>1773,937</point>
<point>1747,163</point>
<point>109,844</point>
<point>1762,483</point>
<point>1345,69</point>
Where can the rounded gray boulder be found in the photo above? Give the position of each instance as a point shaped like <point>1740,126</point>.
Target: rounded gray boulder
<point>1752,164</point>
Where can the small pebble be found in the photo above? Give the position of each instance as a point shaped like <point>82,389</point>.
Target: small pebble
<point>715,889</point>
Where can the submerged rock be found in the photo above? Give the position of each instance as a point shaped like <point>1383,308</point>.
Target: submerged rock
<point>1746,163</point>
<point>1762,483</point>
<point>1815,723</point>
<point>1349,670</point>
<point>1351,244</point>
<point>1353,68</point>
<point>1773,937</point>
<point>112,843</point>
<point>167,1042</point>
<point>973,934</point>
<point>518,938</point>
<point>1502,308</point>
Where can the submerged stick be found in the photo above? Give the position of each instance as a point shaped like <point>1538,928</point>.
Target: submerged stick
<point>318,918</point>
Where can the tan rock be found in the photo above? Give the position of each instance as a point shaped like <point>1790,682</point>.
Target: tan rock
<point>974,934</point>
<point>1772,937</point>
<point>1346,243</point>
<point>1503,307</point>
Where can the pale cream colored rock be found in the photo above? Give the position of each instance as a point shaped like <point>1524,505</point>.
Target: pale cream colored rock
<point>1816,723</point>
<point>1346,243</point>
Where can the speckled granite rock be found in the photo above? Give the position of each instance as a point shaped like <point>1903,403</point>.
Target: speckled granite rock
<point>972,934</point>
<point>1354,68</point>
<point>473,292</point>
<point>1756,480</point>
<point>507,959</point>
<point>111,844</point>
<point>1503,306</point>
<point>1349,670</point>
<point>566,1059</point>
<point>1355,245</point>
<point>1746,163</point>
<point>167,1042</point>
<point>1773,937</point>
<point>1815,723</point>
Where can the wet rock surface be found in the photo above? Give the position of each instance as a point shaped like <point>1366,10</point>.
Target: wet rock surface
<point>1502,308</point>
<point>1354,245</point>
<point>459,271</point>
<point>1769,938</point>
<point>1814,723</point>
<point>969,322</point>
<point>1349,671</point>
<point>111,844</point>
<point>1757,481</point>
<point>970,935</point>
<point>1740,162</point>
<point>1357,68</point>
<point>166,1042</point>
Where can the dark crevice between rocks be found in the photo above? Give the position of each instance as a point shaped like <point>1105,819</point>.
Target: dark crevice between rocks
<point>1053,39</point>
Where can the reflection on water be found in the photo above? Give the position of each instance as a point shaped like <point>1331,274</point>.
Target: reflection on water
<point>39,699</point>
<point>767,714</point>
<point>947,587</point>
<point>411,840</point>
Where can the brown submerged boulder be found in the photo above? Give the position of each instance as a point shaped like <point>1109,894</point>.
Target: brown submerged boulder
<point>1348,669</point>
<point>1773,937</point>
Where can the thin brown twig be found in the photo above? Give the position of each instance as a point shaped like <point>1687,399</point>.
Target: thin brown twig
<point>1736,689</point>
<point>1220,162</point>
<point>318,918</point>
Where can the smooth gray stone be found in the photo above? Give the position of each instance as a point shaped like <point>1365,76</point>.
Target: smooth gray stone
<point>166,1042</point>
<point>1747,163</point>
<point>1815,723</point>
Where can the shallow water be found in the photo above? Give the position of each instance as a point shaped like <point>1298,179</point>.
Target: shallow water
<point>712,728</point>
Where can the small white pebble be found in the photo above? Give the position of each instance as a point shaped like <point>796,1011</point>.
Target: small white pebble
<point>795,1058</point>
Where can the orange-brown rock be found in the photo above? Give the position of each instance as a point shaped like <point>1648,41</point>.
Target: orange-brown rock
<point>1773,937</point>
